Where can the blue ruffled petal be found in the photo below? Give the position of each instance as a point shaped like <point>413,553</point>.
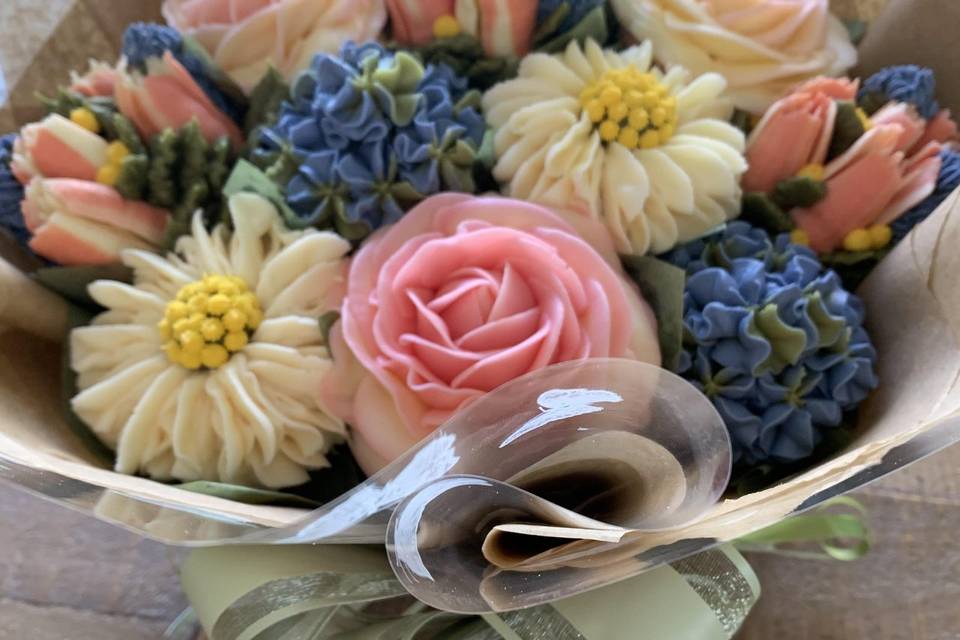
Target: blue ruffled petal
<point>11,193</point>
<point>906,83</point>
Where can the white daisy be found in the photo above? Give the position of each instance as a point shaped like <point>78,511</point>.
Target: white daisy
<point>209,366</point>
<point>605,134</point>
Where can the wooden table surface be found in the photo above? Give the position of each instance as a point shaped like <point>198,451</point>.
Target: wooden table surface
<point>66,576</point>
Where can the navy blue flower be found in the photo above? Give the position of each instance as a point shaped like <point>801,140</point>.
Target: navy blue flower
<point>947,182</point>
<point>144,40</point>
<point>11,193</point>
<point>906,83</point>
<point>374,132</point>
<point>773,339</point>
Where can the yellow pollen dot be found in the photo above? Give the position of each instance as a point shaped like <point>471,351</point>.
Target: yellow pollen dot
<point>801,237</point>
<point>629,137</point>
<point>609,131</point>
<point>858,240</point>
<point>235,320</point>
<point>611,95</point>
<point>812,171</point>
<point>880,235</point>
<point>84,117</point>
<point>639,118</point>
<point>651,99</point>
<point>618,112</point>
<point>446,27</point>
<point>208,320</point>
<point>116,152</point>
<point>235,341</point>
<point>218,305</point>
<point>212,330</point>
<point>649,139</point>
<point>634,99</point>
<point>864,119</point>
<point>658,116</point>
<point>665,133</point>
<point>108,174</point>
<point>596,111</point>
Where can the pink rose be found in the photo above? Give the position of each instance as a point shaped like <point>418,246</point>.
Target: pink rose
<point>245,37</point>
<point>463,295</point>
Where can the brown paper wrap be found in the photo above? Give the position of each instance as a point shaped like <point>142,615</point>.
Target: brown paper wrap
<point>912,301</point>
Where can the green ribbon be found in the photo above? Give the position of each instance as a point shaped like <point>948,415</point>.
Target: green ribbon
<point>840,536</point>
<point>350,593</point>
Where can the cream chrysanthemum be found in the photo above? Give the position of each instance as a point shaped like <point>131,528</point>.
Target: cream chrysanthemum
<point>209,366</point>
<point>605,134</point>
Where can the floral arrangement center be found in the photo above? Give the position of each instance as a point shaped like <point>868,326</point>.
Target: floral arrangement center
<point>631,107</point>
<point>210,320</point>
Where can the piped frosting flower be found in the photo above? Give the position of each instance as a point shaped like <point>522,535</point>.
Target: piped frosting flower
<point>368,134</point>
<point>905,83</point>
<point>208,366</point>
<point>762,48</point>
<point>774,340</point>
<point>606,135</point>
<point>948,181</point>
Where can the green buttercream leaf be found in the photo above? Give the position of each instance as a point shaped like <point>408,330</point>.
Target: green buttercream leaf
<point>212,70</point>
<point>72,282</point>
<point>787,343</point>
<point>593,26</point>
<point>853,267</point>
<point>403,76</point>
<point>127,134</point>
<point>742,120</point>
<point>662,286</point>
<point>856,29</point>
<point>134,172</point>
<point>266,99</point>
<point>163,160</point>
<point>103,108</point>
<point>798,192</point>
<point>79,317</point>
<point>246,177</point>
<point>872,102</point>
<point>759,210</point>
<point>829,327</point>
<point>847,129</point>
<point>404,193</point>
<point>190,201</point>
<point>551,25</point>
<point>218,163</point>
<point>465,55</point>
<point>248,495</point>
<point>326,323</point>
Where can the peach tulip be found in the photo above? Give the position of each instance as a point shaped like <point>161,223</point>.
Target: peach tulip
<point>99,80</point>
<point>77,222</point>
<point>56,147</point>
<point>168,97</point>
<point>412,20</point>
<point>505,28</point>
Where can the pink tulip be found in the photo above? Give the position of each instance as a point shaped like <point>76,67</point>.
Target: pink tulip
<point>57,148</point>
<point>412,20</point>
<point>169,98</point>
<point>871,183</point>
<point>77,222</point>
<point>941,129</point>
<point>911,124</point>
<point>505,27</point>
<point>795,132</point>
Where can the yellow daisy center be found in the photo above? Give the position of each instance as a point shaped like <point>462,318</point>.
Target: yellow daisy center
<point>630,107</point>
<point>209,320</point>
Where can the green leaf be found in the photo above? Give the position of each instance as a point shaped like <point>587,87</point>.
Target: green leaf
<point>78,317</point>
<point>248,495</point>
<point>759,210</point>
<point>72,282</point>
<point>847,129</point>
<point>246,177</point>
<point>853,267</point>
<point>830,328</point>
<point>266,99</point>
<point>132,182</point>
<point>788,343</point>
<point>856,29</point>
<point>326,322</point>
<point>798,192</point>
<point>594,25</point>
<point>742,120</point>
<point>662,286</point>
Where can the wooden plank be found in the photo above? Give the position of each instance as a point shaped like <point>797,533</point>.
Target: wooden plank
<point>22,621</point>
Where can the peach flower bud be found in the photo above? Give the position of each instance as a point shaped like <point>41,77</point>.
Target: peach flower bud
<point>871,183</point>
<point>99,80</point>
<point>941,128</point>
<point>56,147</point>
<point>795,132</point>
<point>168,97</point>
<point>505,28</point>
<point>412,20</point>
<point>246,37</point>
<point>77,222</point>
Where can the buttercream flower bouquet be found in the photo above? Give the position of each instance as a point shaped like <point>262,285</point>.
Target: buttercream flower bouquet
<point>535,296</point>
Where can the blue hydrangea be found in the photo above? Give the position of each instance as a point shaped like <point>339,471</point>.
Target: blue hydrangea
<point>773,339</point>
<point>143,40</point>
<point>947,182</point>
<point>906,83</point>
<point>370,133</point>
<point>11,193</point>
<point>578,9</point>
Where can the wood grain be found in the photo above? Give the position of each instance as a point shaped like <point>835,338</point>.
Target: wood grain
<point>66,576</point>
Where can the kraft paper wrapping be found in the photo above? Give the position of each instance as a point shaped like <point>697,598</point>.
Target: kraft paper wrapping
<point>913,309</point>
